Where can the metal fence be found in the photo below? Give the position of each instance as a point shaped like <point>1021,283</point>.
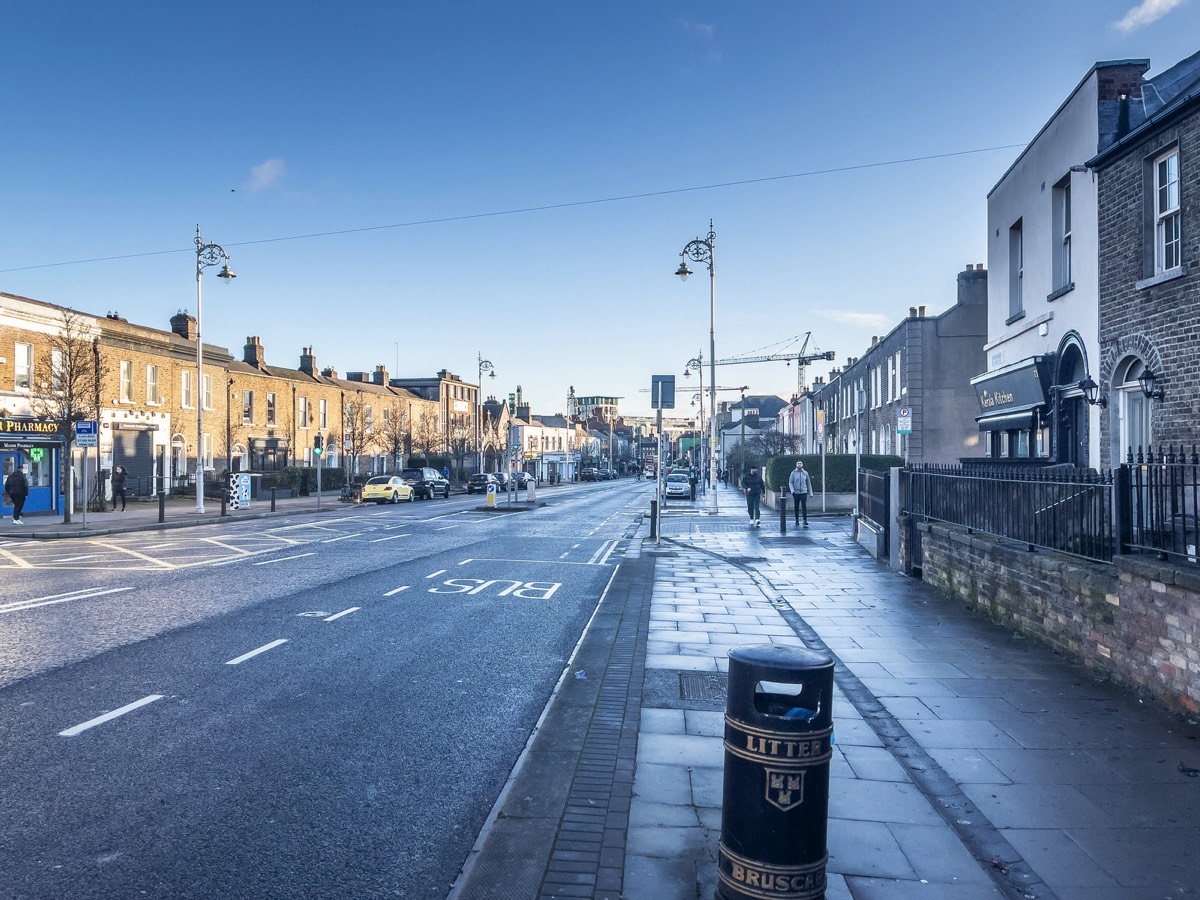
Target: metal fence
<point>1063,509</point>
<point>873,499</point>
<point>1158,496</point>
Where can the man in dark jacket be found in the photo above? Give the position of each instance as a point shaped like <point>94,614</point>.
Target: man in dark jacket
<point>752,487</point>
<point>17,487</point>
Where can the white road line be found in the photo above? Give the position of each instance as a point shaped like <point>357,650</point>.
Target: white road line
<point>564,555</point>
<point>267,562</point>
<point>60,598</point>
<point>228,562</point>
<point>391,538</point>
<point>263,649</point>
<point>396,590</point>
<point>464,562</point>
<point>447,527</point>
<point>108,716</point>
<point>436,574</point>
<point>75,558</point>
<point>344,612</point>
<point>342,538</point>
<point>611,551</point>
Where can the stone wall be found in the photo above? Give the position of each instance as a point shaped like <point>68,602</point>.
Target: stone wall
<point>1136,621</point>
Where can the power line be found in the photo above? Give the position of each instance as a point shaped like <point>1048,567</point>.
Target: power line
<point>523,210</point>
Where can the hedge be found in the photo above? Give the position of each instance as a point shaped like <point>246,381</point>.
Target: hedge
<point>839,469</point>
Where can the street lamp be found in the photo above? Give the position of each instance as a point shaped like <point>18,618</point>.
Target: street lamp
<point>206,255</point>
<point>704,250</point>
<point>485,365</point>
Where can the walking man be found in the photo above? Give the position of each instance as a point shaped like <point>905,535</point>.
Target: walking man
<point>118,487</point>
<point>17,487</point>
<point>752,487</point>
<point>801,486</point>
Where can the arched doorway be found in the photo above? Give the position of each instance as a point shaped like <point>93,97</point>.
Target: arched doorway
<point>1071,436</point>
<point>1133,433</point>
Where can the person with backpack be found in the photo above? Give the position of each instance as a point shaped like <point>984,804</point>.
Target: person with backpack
<point>752,487</point>
<point>17,488</point>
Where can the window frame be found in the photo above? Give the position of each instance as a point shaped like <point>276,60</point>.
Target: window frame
<point>22,382</point>
<point>187,398</point>
<point>1016,271</point>
<point>152,395</point>
<point>125,387</point>
<point>271,408</point>
<point>1168,241</point>
<point>247,407</point>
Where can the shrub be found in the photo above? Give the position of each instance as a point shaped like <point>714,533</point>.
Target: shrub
<point>839,469</point>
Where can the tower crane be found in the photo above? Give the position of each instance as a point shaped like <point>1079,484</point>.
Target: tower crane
<point>801,357</point>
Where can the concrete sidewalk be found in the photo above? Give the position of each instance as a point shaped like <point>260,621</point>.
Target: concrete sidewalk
<point>967,763</point>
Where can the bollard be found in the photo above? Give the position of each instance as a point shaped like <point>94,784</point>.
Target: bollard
<point>162,507</point>
<point>782,511</point>
<point>224,502</point>
<point>654,518</point>
<point>778,744</point>
<point>272,499</point>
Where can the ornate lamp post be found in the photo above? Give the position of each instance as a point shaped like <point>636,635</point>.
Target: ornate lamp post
<point>704,250</point>
<point>697,362</point>
<point>206,255</point>
<point>485,365</point>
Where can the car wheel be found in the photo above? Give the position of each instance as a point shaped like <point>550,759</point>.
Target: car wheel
<point>396,497</point>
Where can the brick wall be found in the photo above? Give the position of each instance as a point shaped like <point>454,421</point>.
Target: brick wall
<point>1136,621</point>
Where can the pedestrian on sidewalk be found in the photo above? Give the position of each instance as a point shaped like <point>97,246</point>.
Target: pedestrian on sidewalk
<point>752,487</point>
<point>17,488</point>
<point>118,487</point>
<point>801,485</point>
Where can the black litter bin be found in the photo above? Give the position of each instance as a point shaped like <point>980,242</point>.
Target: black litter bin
<point>778,744</point>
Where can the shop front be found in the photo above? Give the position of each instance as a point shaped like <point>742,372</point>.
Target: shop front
<point>37,443</point>
<point>1014,411</point>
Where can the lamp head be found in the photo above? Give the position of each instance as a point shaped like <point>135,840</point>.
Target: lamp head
<point>683,271</point>
<point>226,273</point>
<point>1148,380</point>
<point>1091,392</point>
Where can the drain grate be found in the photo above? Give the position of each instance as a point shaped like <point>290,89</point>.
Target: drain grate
<point>703,687</point>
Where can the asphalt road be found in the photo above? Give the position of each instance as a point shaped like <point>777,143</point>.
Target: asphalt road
<point>316,707</point>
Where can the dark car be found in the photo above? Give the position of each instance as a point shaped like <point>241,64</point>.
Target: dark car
<point>589,474</point>
<point>502,480</point>
<point>478,484</point>
<point>426,483</point>
<point>522,479</point>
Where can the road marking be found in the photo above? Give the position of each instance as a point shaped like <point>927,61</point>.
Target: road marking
<point>76,558</point>
<point>447,527</point>
<point>390,538</point>
<point>267,562</point>
<point>263,649</point>
<point>344,612</point>
<point>435,574</point>
<point>16,560</point>
<point>342,538</point>
<point>564,555</point>
<point>116,548</point>
<point>464,562</point>
<point>396,590</point>
<point>109,716</point>
<point>60,598</point>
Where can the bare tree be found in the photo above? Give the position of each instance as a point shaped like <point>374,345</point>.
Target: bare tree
<point>427,436</point>
<point>395,437</point>
<point>772,442</point>
<point>356,432</point>
<point>69,389</point>
<point>462,441</point>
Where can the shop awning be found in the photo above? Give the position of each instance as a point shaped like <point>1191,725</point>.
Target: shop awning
<point>1010,419</point>
<point>1009,397</point>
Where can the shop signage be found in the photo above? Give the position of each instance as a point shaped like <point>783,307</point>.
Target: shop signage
<point>1017,390</point>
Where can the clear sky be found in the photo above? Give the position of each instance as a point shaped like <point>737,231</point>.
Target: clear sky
<point>411,184</point>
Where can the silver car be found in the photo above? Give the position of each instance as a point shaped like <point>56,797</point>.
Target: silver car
<point>679,485</point>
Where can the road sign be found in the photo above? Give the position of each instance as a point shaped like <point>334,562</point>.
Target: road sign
<point>662,391</point>
<point>904,420</point>
<point>86,434</point>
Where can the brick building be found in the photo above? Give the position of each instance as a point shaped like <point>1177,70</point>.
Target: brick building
<point>1149,197</point>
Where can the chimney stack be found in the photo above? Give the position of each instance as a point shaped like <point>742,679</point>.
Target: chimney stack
<point>380,376</point>
<point>184,325</point>
<point>308,362</point>
<point>253,353</point>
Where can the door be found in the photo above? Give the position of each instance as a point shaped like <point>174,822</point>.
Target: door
<point>41,482</point>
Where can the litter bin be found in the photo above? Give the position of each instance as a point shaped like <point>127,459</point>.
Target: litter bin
<point>778,744</point>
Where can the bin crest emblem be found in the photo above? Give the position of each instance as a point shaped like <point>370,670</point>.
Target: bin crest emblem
<point>785,789</point>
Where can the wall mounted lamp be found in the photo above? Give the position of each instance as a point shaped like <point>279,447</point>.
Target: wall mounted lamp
<point>1091,393</point>
<point>1148,380</point>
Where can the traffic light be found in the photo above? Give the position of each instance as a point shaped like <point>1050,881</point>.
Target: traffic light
<point>318,445</point>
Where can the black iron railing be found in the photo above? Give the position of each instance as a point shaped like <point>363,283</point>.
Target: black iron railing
<point>873,498</point>
<point>1063,509</point>
<point>1158,496</point>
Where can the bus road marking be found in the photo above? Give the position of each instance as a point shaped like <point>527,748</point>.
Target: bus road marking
<point>267,562</point>
<point>253,653</point>
<point>403,587</point>
<point>109,716</point>
<point>344,612</point>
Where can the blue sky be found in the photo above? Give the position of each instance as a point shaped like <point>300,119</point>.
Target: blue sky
<point>423,182</point>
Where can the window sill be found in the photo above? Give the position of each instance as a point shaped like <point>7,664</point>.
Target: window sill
<point>1161,277</point>
<point>1062,291</point>
<point>1017,318</point>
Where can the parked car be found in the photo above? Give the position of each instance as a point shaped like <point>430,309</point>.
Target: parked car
<point>607,475</point>
<point>502,480</point>
<point>426,483</point>
<point>478,483</point>
<point>523,479</point>
<point>387,489</point>
<point>679,485</point>
<point>589,474</point>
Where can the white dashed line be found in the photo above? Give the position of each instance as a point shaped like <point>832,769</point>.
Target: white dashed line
<point>344,612</point>
<point>267,562</point>
<point>436,574</point>
<point>342,538</point>
<point>389,538</point>
<point>109,716</point>
<point>263,649</point>
<point>59,598</point>
<point>403,587</point>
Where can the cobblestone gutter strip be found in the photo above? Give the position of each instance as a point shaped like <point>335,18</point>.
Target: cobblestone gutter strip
<point>561,828</point>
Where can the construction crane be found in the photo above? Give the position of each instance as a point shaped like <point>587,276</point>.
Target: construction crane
<point>802,358</point>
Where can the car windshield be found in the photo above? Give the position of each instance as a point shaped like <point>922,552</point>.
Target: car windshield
<point>677,478</point>
<point>411,473</point>
<point>380,479</point>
